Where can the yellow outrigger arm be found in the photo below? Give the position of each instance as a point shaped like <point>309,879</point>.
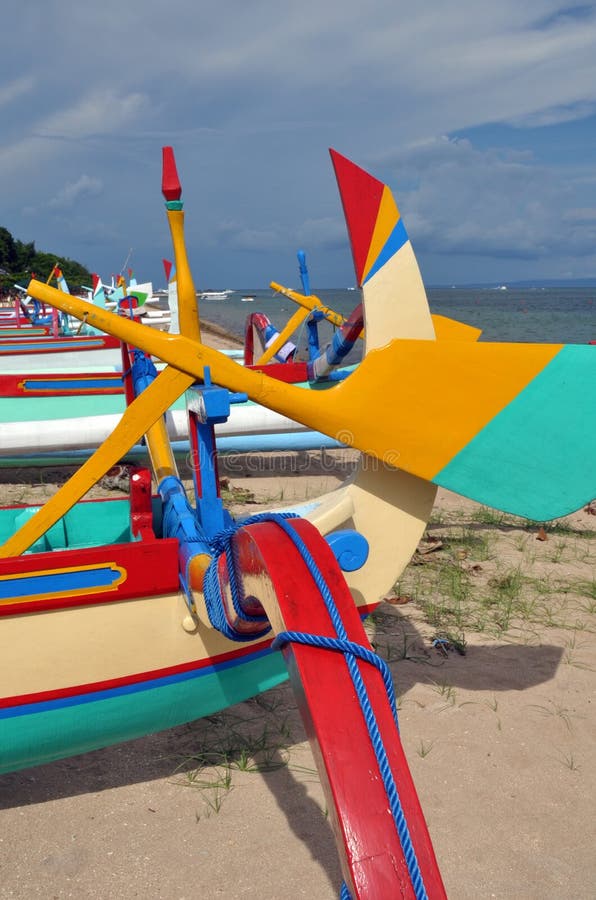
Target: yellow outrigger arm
<point>473,417</point>
<point>446,329</point>
<point>143,417</point>
<point>512,426</point>
<point>138,418</point>
<point>290,327</point>
<point>309,303</point>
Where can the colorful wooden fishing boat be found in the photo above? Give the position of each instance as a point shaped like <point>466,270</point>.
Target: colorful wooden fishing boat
<point>58,412</point>
<point>59,415</point>
<point>36,350</point>
<point>67,412</point>
<point>125,617</point>
<point>40,342</point>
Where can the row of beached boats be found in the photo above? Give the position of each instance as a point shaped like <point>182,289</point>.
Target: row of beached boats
<point>61,413</point>
<point>56,413</point>
<point>128,616</point>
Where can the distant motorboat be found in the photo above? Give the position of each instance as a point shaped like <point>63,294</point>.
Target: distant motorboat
<point>248,298</point>
<point>215,295</point>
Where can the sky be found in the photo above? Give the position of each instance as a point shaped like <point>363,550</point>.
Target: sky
<point>481,116</point>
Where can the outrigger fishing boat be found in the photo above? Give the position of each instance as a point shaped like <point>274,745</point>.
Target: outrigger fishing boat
<point>124,617</point>
<point>56,415</point>
<point>60,416</point>
<point>263,343</point>
<point>42,341</point>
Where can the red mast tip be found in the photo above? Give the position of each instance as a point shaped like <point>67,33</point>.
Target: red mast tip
<point>170,183</point>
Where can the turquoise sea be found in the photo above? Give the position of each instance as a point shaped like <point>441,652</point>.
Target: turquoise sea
<point>543,315</point>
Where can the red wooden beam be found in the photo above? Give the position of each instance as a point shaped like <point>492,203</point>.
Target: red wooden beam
<point>290,372</point>
<point>270,567</point>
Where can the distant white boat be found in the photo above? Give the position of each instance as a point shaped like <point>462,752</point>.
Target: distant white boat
<point>214,295</point>
<point>248,298</point>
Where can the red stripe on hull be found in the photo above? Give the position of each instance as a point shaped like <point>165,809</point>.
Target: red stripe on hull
<point>74,344</point>
<point>151,568</point>
<point>149,675</point>
<point>137,678</point>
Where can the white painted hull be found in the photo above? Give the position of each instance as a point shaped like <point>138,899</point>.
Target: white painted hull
<point>88,432</point>
<point>70,360</point>
<point>76,361</point>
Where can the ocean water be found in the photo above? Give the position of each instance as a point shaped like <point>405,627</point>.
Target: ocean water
<point>541,315</point>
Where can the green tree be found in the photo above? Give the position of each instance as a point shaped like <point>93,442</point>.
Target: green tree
<point>8,253</point>
<point>19,260</point>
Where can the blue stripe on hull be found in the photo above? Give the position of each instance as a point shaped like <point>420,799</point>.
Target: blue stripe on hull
<point>82,385</point>
<point>40,733</point>
<point>58,583</point>
<point>249,443</point>
<point>49,346</point>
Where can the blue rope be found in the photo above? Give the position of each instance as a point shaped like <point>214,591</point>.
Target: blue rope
<point>327,643</point>
<point>344,894</point>
<point>222,543</point>
<point>367,711</point>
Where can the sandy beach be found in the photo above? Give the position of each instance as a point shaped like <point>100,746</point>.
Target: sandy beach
<point>498,721</point>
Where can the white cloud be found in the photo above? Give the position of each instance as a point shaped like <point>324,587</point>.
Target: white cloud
<point>239,236</point>
<point>252,94</point>
<point>555,115</point>
<point>587,215</point>
<point>324,232</point>
<point>501,204</point>
<point>100,111</point>
<point>455,64</point>
<point>15,89</point>
<point>97,114</point>
<point>71,193</point>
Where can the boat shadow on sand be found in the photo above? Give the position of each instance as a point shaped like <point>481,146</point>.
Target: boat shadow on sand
<point>263,734</point>
<point>257,744</point>
<point>263,739</point>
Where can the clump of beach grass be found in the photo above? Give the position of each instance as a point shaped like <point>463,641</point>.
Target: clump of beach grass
<point>488,573</point>
<point>256,736</point>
